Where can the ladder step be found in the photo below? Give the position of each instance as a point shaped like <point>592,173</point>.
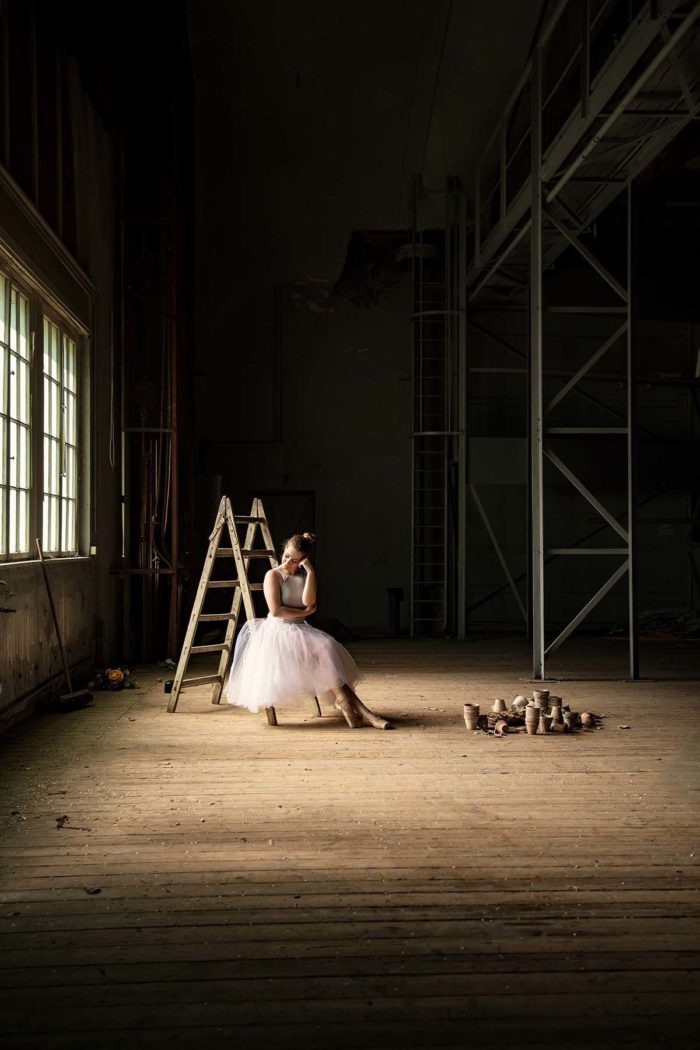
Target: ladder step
<point>205,679</point>
<point>246,519</point>
<point>226,552</point>
<point>233,583</point>
<point>208,649</point>
<point>213,617</point>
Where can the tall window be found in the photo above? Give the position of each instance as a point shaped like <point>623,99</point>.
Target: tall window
<point>40,428</point>
<point>15,420</point>
<point>60,442</point>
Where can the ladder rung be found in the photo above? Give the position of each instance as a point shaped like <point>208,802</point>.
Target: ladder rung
<point>227,552</point>
<point>205,679</point>
<point>213,617</point>
<point>245,519</point>
<point>234,583</point>
<point>207,648</point>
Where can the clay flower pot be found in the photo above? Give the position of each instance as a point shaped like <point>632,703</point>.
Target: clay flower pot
<point>471,716</point>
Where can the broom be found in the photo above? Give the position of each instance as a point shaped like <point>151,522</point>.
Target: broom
<point>70,700</point>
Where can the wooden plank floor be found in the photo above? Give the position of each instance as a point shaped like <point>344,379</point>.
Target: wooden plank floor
<point>219,882</point>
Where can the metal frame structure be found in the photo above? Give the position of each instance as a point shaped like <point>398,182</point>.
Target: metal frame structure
<point>584,119</point>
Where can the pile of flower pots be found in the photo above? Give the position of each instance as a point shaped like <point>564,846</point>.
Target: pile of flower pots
<point>537,715</point>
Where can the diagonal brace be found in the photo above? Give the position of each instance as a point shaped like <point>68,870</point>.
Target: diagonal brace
<point>587,494</point>
<point>680,72</point>
<point>588,256</point>
<point>499,552</point>
<point>610,341</point>
<point>590,604</point>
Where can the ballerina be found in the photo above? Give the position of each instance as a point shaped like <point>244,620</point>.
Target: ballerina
<point>281,659</point>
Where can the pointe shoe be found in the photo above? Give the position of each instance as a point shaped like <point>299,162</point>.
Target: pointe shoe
<point>370,719</point>
<point>349,713</point>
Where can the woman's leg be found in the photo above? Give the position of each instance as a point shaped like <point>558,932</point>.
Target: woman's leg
<point>360,710</point>
<point>347,708</point>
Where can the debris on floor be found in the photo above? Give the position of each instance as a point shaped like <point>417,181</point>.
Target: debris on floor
<point>542,713</point>
<point>113,678</point>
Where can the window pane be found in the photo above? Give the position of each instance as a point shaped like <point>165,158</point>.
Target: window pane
<point>3,460</point>
<point>13,386</point>
<point>13,318</point>
<point>51,399</point>
<point>55,410</point>
<point>68,477</point>
<point>14,455</point>
<point>51,466</point>
<point>68,508</point>
<point>23,310</point>
<point>45,345</point>
<point>4,364</point>
<point>3,308</point>
<point>72,513</point>
<point>45,523</point>
<point>3,540</point>
<point>51,506</point>
<point>52,345</point>
<point>13,521</point>
<point>23,466</point>
<point>23,523</point>
<point>60,440</point>
<point>70,421</point>
<point>69,364</point>
<point>23,387</point>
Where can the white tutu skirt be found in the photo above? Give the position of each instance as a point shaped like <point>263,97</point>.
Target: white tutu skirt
<point>280,663</point>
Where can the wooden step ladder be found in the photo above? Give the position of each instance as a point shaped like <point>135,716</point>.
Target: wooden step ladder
<point>242,594</point>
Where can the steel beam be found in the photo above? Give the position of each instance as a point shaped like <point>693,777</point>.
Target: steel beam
<point>629,51</point>
<point>462,394</point>
<point>536,405</point>
<point>631,453</point>
<point>624,102</point>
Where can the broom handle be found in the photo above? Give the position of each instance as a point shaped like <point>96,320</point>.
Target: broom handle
<point>53,614</point>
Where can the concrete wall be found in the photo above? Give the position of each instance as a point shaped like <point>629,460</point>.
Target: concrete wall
<point>344,438</point>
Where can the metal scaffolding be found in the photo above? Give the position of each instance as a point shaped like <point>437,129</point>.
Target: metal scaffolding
<point>591,110</point>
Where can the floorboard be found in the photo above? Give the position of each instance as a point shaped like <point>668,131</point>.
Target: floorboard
<point>202,878</point>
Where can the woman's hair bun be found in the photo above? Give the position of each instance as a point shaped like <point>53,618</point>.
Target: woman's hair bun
<point>301,541</point>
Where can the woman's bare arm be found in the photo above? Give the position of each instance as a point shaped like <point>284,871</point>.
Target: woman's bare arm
<point>309,595</point>
<point>273,596</point>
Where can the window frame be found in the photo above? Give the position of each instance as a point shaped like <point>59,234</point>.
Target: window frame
<point>65,332</point>
<point>43,304</point>
<point>23,289</point>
